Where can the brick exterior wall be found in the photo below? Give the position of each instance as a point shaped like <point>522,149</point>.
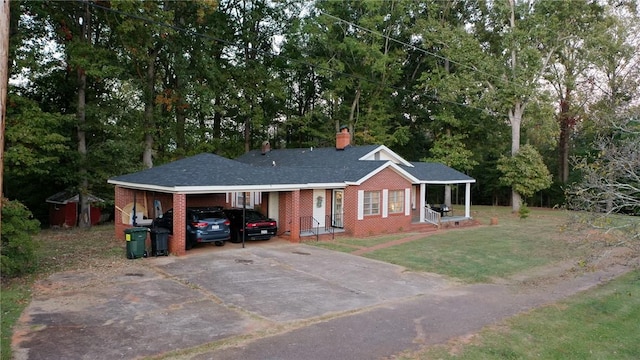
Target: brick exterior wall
<point>284,212</point>
<point>306,203</point>
<point>205,200</point>
<point>177,242</point>
<point>328,195</point>
<point>295,216</point>
<point>124,197</point>
<point>376,224</point>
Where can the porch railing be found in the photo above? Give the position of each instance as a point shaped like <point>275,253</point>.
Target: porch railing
<point>432,216</point>
<point>328,226</point>
<point>310,225</point>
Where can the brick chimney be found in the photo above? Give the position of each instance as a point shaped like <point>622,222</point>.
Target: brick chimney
<point>266,147</point>
<point>343,138</point>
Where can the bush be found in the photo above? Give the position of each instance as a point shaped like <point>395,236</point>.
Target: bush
<point>524,211</point>
<point>17,250</point>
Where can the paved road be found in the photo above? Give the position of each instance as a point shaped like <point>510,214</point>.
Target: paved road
<point>404,325</point>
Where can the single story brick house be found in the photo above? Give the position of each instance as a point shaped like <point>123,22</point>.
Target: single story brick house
<point>358,190</point>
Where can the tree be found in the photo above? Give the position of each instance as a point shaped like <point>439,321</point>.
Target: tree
<point>611,176</point>
<point>525,172</point>
<point>39,153</point>
<point>451,151</point>
<point>17,250</point>
<point>351,43</point>
<point>576,24</point>
<point>517,43</point>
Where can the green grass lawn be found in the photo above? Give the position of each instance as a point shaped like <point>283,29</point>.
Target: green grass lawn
<point>480,254</point>
<point>349,244</point>
<point>602,323</point>
<point>57,250</point>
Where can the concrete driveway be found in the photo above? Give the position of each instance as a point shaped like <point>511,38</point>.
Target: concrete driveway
<point>153,306</point>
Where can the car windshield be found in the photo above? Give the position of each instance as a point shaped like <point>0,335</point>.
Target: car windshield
<point>254,216</point>
<point>210,215</point>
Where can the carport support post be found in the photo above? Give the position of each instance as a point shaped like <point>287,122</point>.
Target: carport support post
<point>244,218</point>
<point>295,216</point>
<point>179,238</point>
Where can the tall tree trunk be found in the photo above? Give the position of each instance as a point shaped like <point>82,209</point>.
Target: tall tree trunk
<point>352,114</point>
<point>247,126</point>
<point>217,118</point>
<point>84,220</point>
<point>149,122</point>
<point>515,118</point>
<point>180,114</point>
<point>563,145</point>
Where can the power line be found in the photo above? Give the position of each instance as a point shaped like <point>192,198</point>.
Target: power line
<point>438,56</point>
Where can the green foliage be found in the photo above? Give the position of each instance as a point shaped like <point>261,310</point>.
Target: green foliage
<point>39,158</point>
<point>428,79</point>
<point>36,141</point>
<point>451,151</point>
<point>525,172</point>
<point>18,249</point>
<point>524,211</point>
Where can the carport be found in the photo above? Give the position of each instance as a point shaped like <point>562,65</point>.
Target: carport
<point>202,180</point>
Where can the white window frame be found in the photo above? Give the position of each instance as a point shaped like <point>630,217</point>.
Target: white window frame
<point>397,197</point>
<point>367,197</point>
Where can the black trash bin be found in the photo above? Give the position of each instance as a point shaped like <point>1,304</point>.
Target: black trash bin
<point>136,238</point>
<point>159,241</point>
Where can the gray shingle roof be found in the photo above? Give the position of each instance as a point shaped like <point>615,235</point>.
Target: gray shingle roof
<point>64,197</point>
<point>213,170</point>
<point>307,157</point>
<point>436,172</point>
<point>294,167</point>
<point>198,170</point>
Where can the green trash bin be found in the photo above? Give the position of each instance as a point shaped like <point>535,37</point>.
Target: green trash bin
<point>136,239</point>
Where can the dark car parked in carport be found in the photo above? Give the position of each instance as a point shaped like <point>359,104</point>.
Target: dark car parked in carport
<point>257,226</point>
<point>204,225</point>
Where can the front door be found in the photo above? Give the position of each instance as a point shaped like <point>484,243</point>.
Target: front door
<point>338,209</point>
<point>319,206</point>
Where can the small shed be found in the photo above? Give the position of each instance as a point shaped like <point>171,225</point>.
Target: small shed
<point>63,209</point>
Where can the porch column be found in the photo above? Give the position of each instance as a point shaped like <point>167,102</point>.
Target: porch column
<point>295,216</point>
<point>179,238</point>
<point>467,200</point>
<point>423,195</point>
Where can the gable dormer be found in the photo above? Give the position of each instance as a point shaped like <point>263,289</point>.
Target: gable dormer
<point>383,153</point>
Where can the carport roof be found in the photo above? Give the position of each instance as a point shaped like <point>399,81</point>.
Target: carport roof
<point>209,172</point>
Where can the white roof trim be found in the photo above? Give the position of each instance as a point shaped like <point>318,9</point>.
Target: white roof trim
<point>387,164</point>
<point>225,188</point>
<point>391,153</point>
<point>447,182</point>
